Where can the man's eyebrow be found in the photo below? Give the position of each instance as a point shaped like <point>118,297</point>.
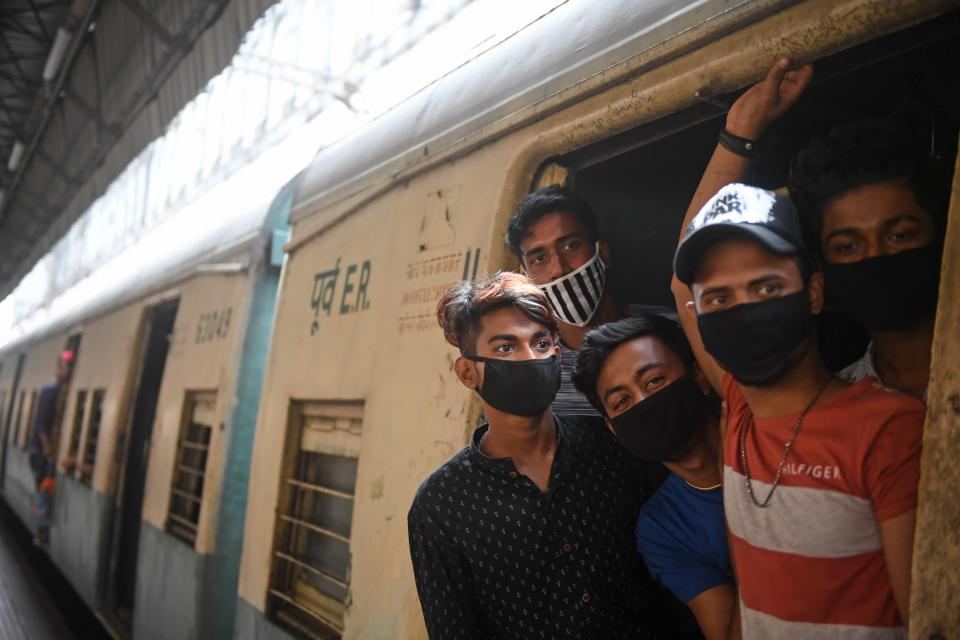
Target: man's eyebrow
<point>612,390</point>
<point>561,239</point>
<point>846,231</point>
<point>770,277</point>
<point>642,370</point>
<point>895,220</point>
<point>532,250</point>
<point>541,334</point>
<point>886,224</point>
<point>711,290</point>
<point>502,336</point>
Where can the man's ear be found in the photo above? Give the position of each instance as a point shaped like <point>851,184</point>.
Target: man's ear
<point>604,251</point>
<point>815,291</point>
<point>691,308</point>
<point>467,373</point>
<point>609,424</point>
<point>701,379</point>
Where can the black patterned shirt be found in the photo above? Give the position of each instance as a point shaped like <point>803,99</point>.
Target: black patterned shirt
<point>494,557</point>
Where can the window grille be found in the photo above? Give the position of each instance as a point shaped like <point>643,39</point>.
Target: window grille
<point>93,435</point>
<point>28,430</point>
<point>186,494</point>
<point>76,430</point>
<point>310,579</point>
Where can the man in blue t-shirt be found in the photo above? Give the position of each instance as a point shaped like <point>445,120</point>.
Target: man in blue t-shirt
<point>640,373</point>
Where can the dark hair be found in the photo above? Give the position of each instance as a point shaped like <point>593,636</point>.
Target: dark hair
<point>550,199</point>
<point>599,343</point>
<point>861,153</point>
<point>462,307</point>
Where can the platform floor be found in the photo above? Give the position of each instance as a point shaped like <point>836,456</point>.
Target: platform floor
<point>26,610</point>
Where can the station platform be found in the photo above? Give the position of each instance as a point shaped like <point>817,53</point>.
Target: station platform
<point>35,600</point>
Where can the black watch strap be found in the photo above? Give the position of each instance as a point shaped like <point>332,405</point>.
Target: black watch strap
<point>736,144</point>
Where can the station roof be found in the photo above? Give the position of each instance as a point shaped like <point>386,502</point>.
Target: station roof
<point>85,86</point>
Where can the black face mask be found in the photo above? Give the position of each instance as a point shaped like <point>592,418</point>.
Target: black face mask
<point>660,427</point>
<point>519,387</point>
<point>886,292</point>
<point>755,341</point>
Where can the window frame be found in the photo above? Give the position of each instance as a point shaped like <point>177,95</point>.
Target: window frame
<point>324,428</point>
<point>183,524</point>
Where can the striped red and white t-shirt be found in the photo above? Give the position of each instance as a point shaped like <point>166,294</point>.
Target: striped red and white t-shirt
<point>810,565</point>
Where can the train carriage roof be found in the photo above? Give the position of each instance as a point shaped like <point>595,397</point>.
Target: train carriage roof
<point>219,226</point>
<point>566,46</point>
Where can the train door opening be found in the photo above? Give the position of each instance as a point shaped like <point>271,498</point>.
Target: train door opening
<point>6,419</point>
<point>157,335</point>
<point>72,345</point>
<point>641,182</point>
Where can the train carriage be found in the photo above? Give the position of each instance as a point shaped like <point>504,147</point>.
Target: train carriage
<point>622,101</point>
<point>157,424</point>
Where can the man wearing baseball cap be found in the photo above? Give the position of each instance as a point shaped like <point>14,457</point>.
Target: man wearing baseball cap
<point>820,476</point>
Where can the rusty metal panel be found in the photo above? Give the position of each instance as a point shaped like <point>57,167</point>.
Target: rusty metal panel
<point>935,592</point>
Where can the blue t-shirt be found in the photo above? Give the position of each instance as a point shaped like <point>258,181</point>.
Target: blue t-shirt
<point>683,538</point>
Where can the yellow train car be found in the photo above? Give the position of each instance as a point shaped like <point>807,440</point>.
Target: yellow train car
<point>157,422</point>
<point>622,101</point>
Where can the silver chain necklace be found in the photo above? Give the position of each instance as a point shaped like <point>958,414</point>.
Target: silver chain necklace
<point>483,437</point>
<point>786,448</point>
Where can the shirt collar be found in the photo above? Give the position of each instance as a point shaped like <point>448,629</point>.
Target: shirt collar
<point>561,460</point>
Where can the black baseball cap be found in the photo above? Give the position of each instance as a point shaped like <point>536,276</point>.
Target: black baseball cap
<point>739,210</point>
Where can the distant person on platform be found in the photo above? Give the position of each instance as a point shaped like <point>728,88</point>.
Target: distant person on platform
<point>555,236</point>
<point>48,414</point>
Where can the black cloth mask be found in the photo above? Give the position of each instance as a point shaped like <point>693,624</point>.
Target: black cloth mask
<point>754,341</point>
<point>519,387</point>
<point>661,426</point>
<point>885,292</point>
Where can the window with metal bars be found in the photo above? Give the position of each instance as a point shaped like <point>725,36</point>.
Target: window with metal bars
<point>310,578</point>
<point>92,437</point>
<point>76,430</point>
<point>28,430</point>
<point>186,494</point>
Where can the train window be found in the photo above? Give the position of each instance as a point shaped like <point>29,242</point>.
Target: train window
<point>640,182</point>
<point>73,448</point>
<point>310,580</point>
<point>93,434</point>
<point>186,494</point>
<point>28,428</point>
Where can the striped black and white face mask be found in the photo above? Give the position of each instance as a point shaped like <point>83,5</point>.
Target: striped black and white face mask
<point>576,296</point>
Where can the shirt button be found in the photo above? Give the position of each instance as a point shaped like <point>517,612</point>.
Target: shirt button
<point>585,597</point>
<point>513,475</point>
<point>567,548</point>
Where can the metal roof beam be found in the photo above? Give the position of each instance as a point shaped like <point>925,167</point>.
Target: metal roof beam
<point>39,19</point>
<point>57,168</point>
<point>29,86</point>
<point>11,19</point>
<point>144,16</point>
<point>13,56</point>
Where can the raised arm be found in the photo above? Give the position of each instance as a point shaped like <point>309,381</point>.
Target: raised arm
<point>749,116</point>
